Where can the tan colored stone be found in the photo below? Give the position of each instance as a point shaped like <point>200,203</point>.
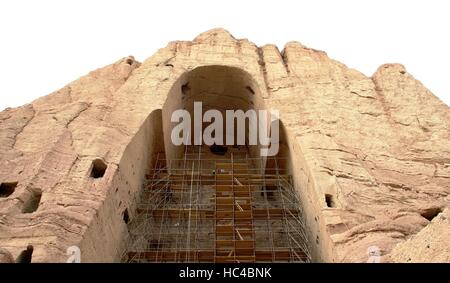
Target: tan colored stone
<point>379,145</point>
<point>5,256</point>
<point>428,245</point>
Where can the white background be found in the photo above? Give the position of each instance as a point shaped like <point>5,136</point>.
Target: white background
<point>46,44</point>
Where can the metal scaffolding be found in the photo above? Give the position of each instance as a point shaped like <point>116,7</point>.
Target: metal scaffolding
<point>223,209</point>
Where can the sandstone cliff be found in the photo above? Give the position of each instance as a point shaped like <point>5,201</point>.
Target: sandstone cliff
<point>377,147</point>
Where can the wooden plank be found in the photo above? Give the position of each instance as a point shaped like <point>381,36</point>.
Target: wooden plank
<point>224,200</point>
<point>242,194</point>
<point>224,259</point>
<point>224,230</point>
<point>224,177</point>
<point>245,259</point>
<point>243,214</point>
<point>224,215</point>
<point>247,233</point>
<point>246,244</point>
<point>220,244</point>
<point>170,256</point>
<point>224,207</point>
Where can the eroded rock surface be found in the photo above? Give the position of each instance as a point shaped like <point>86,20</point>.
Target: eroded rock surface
<point>376,149</point>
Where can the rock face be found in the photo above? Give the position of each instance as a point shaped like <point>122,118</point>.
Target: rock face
<point>371,155</point>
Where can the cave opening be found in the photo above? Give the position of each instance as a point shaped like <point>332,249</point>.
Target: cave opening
<point>98,168</point>
<point>217,203</point>
<point>26,255</point>
<point>7,189</point>
<point>32,203</point>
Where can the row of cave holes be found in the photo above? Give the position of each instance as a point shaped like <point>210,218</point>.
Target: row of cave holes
<point>428,214</point>
<point>7,189</point>
<point>31,205</point>
<point>26,255</point>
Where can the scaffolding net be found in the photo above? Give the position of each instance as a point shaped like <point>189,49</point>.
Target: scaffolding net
<point>220,209</point>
